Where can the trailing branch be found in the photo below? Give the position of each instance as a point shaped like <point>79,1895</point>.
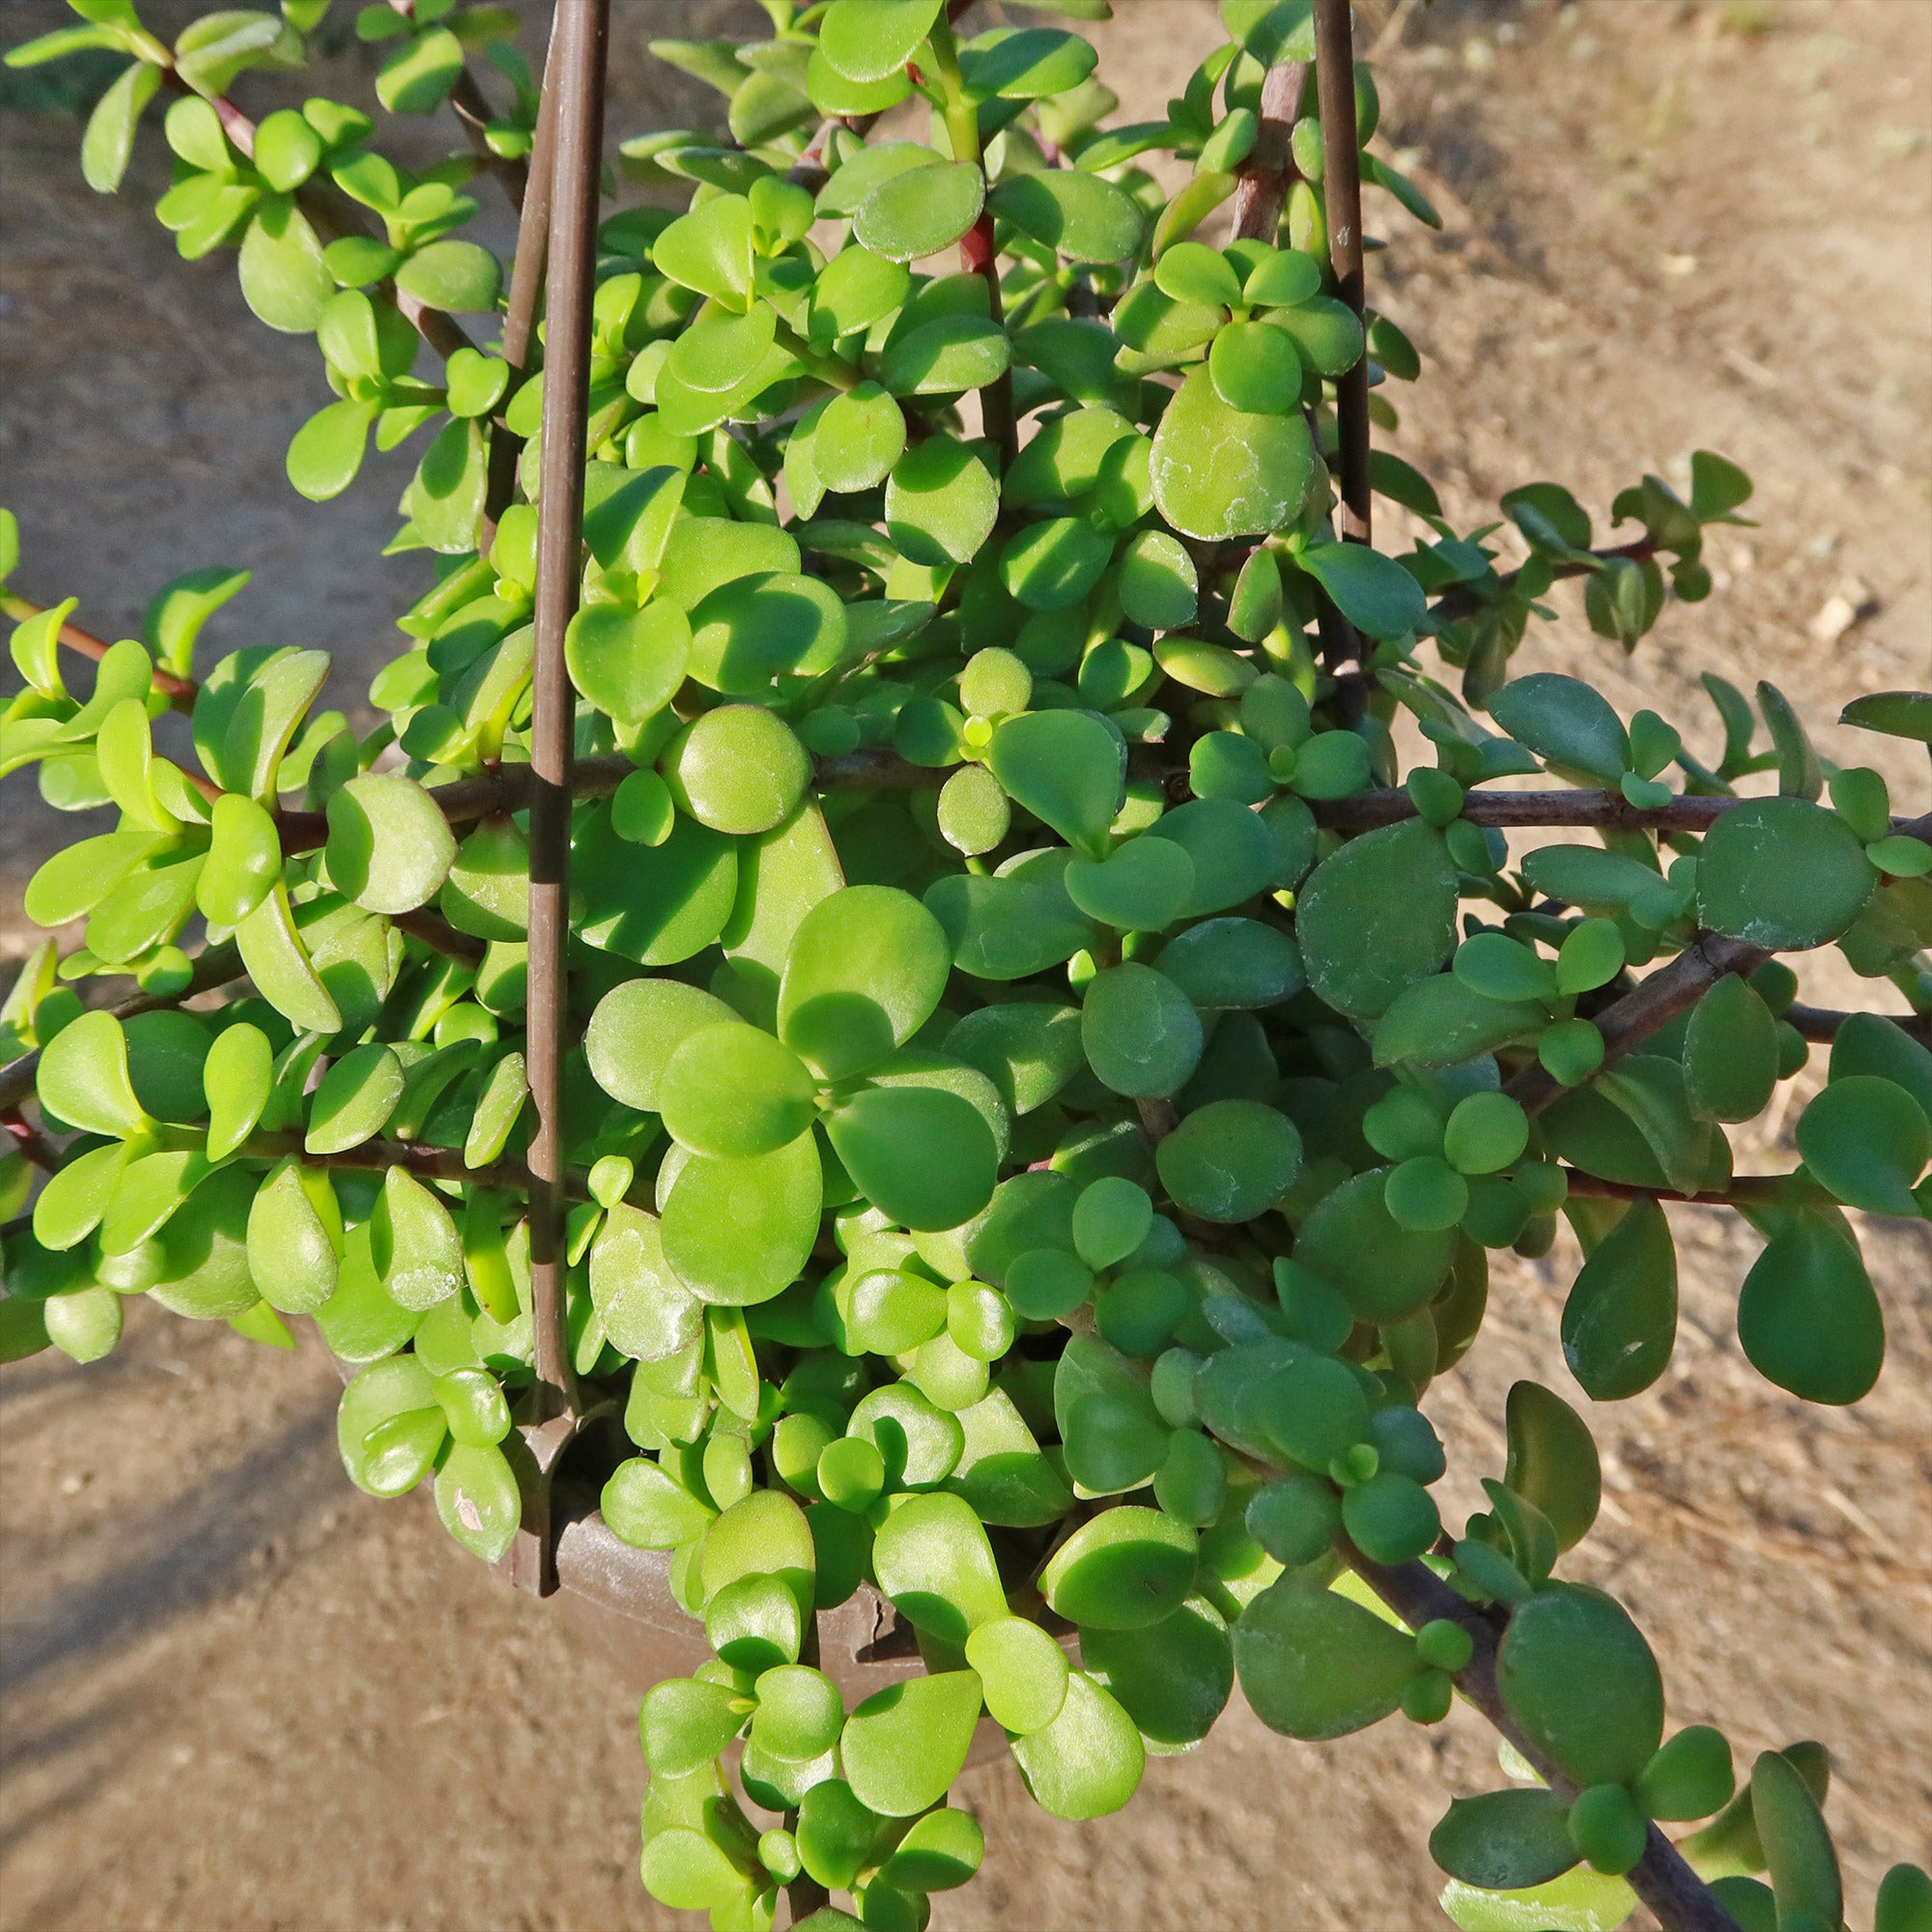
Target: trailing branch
<point>881,768</point>
<point>1744,1189</point>
<point>1366,810</point>
<point>1653,1004</point>
<point>212,968</point>
<point>1679,1899</point>
<point>1464,600</point>
<point>333,216</point>
<point>425,1163</point>
<point>435,932</point>
<point>508,788</point>
<point>1822,1023</point>
<point>180,690</point>
<point>1662,1880</point>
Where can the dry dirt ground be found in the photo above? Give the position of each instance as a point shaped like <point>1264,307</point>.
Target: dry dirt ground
<point>238,1696</point>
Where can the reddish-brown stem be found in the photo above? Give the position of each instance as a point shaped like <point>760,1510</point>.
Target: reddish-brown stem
<point>1342,204</point>
<point>180,690</point>
<point>425,1163</point>
<point>1365,810</point>
<point>978,255</point>
<point>577,64</point>
<point>1527,810</point>
<point>28,1141</point>
<point>510,788</point>
<point>1822,1023</point>
<point>526,280</point>
<point>435,932</point>
<point>810,171</point>
<point>1260,191</point>
<point>805,1896</point>
<point>1743,1188</point>
<point>472,109</point>
<point>1652,1003</point>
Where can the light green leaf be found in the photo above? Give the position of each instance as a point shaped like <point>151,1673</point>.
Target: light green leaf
<point>710,250</point>
<point>454,275</point>
<point>1220,472</point>
<point>922,1155</point>
<point>295,1238</point>
<point>732,1092</point>
<point>328,450</point>
<point>866,968</point>
<point>283,277</point>
<point>415,1244</point>
<point>1078,215</point>
<point>1378,916</point>
<point>83,1077</point>
<point>653,905</point>
<point>389,849</point>
<point>941,503</point>
<point>868,39</point>
<point>736,1233</point>
<point>280,967</point>
<point>1087,1761</point>
<point>1783,874</point>
<point>1373,591</point>
<point>903,1747</point>
<point>628,663</point>
<point>1067,768</point>
<point>109,140</point>
<point>417,76</point>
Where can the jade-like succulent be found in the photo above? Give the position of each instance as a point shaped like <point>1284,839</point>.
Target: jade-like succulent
<point>1014,1100</point>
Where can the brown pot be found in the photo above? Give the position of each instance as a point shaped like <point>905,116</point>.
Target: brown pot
<point>619,1601</point>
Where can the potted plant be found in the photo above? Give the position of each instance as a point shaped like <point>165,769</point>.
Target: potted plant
<point>905,1048</point>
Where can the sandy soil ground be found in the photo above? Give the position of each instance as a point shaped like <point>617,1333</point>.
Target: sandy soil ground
<point>234,1694</point>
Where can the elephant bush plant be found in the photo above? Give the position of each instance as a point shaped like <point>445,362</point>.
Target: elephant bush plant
<point>931,923</point>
